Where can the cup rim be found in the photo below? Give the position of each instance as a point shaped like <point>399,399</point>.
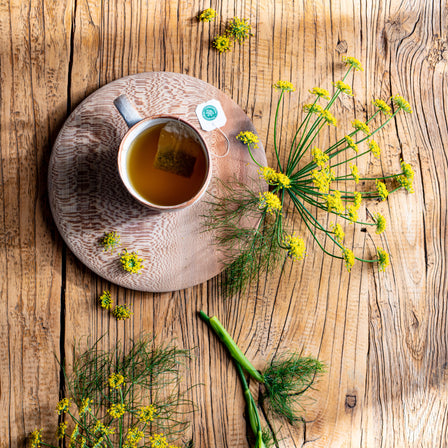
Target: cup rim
<point>122,160</point>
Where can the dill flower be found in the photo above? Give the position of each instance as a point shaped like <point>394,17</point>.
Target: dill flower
<point>270,202</point>
<point>147,413</point>
<point>158,441</point>
<point>133,437</point>
<point>376,150</point>
<point>103,430</point>
<point>313,108</point>
<point>352,213</point>
<point>334,202</point>
<point>380,222</point>
<point>283,180</point>
<point>63,406</point>
<point>383,259</point>
<point>284,86</point>
<point>405,183</point>
<point>116,380</point>
<point>338,232</point>
<point>353,62</point>
<point>355,172</point>
<point>322,178</point>
<point>248,138</point>
<point>130,262</point>
<point>60,432</point>
<point>408,172</point>
<point>319,157</point>
<point>221,43</point>
<point>382,106</point>
<point>268,174</point>
<point>349,258</point>
<point>361,126</point>
<point>122,312</point>
<point>239,29</point>
<point>116,410</point>
<point>401,103</point>
<point>351,143</point>
<point>73,436</point>
<point>328,117</point>
<point>295,247</point>
<point>357,199</point>
<point>35,438</point>
<point>110,241</point>
<point>105,300</point>
<point>321,93</point>
<point>98,443</point>
<point>207,15</point>
<point>85,406</point>
<point>343,87</point>
<point>382,190</point>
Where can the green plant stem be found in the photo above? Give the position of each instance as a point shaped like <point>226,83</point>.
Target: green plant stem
<point>252,157</point>
<point>121,421</point>
<point>234,350</point>
<point>275,132</point>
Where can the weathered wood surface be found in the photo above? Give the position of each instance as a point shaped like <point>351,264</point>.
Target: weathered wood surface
<point>384,336</point>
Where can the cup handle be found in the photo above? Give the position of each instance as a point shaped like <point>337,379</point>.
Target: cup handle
<point>127,110</point>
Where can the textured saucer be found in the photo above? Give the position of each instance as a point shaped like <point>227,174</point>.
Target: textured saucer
<point>88,198</point>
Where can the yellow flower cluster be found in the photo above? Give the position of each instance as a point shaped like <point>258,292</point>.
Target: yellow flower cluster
<point>103,430</point>
<point>133,437</point>
<point>239,29</point>
<point>85,406</point>
<point>343,87</point>
<point>361,126</point>
<point>355,172</point>
<point>328,117</point>
<point>406,179</point>
<point>35,438</point>
<point>383,259</point>
<point>110,241</point>
<point>147,413</point>
<point>284,86</point>
<point>353,62</point>
<point>207,15</point>
<point>248,138</point>
<point>382,190</point>
<point>321,93</point>
<point>334,202</point>
<point>105,300</point>
<point>373,146</point>
<point>63,406</point>
<point>351,143</point>
<point>401,103</point>
<point>380,221</point>
<point>349,258</point>
<point>295,247</point>
<point>122,312</point>
<point>274,178</point>
<point>382,106</point>
<point>60,432</point>
<point>116,380</point>
<point>357,198</point>
<point>131,262</point>
<point>270,202</point>
<point>319,157</point>
<point>221,43</point>
<point>338,232</point>
<point>158,441</point>
<point>313,108</point>
<point>116,410</point>
<point>322,178</point>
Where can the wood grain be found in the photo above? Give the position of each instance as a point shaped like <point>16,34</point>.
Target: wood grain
<point>383,336</point>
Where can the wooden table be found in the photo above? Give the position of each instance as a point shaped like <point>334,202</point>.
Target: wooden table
<point>383,336</point>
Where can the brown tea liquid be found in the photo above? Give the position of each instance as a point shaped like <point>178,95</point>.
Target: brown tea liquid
<point>162,186</point>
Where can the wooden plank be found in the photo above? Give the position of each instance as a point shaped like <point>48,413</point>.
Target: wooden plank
<point>34,65</point>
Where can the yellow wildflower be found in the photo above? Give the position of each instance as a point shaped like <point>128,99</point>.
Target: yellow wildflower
<point>401,103</point>
<point>63,406</point>
<point>283,180</point>
<point>321,93</point>
<point>328,117</point>
<point>406,183</point>
<point>334,202</point>
<point>133,437</point>
<point>355,172</point>
<point>85,406</point>
<point>98,443</point>
<point>207,15</point>
<point>60,432</point>
<point>239,29</point>
<point>382,106</point>
<point>361,126</point>
<point>319,157</point>
<point>343,87</point>
<point>338,231</point>
<point>221,43</point>
<point>147,413</point>
<point>382,190</point>
<point>376,150</point>
<point>313,108</point>
<point>122,312</point>
<point>268,174</point>
<point>322,178</point>
<point>349,258</point>
<point>110,241</point>
<point>352,213</point>
<point>284,86</point>
<point>383,259</point>
<point>353,62</point>
<point>116,410</point>
<point>73,436</point>
<point>116,380</point>
<point>105,300</point>
<point>131,262</point>
<point>248,138</point>
<point>295,247</point>
<point>103,430</point>
<point>351,143</point>
<point>408,172</point>
<point>357,198</point>
<point>35,438</point>
<point>380,221</point>
<point>158,441</point>
<point>270,202</point>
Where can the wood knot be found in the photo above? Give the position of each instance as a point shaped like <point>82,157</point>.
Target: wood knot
<point>438,51</point>
<point>350,401</point>
<point>342,46</point>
